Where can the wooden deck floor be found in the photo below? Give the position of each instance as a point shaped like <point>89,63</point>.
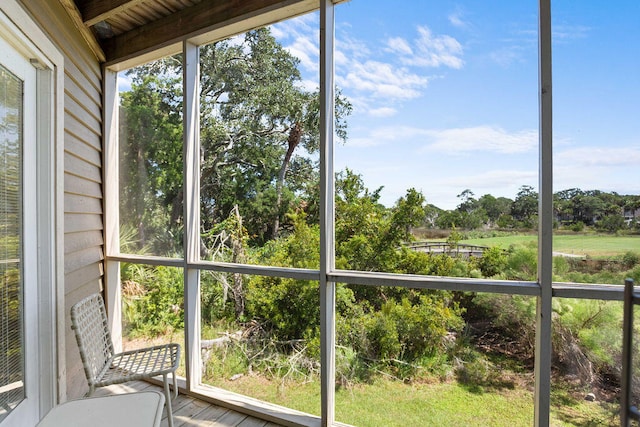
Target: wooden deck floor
<point>189,411</point>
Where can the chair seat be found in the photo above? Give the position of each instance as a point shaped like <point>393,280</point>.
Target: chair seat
<point>103,366</point>
<point>139,364</point>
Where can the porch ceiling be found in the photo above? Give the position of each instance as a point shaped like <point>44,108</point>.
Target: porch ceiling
<point>120,30</point>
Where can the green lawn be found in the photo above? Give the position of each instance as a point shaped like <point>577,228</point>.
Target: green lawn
<point>393,403</point>
<point>594,245</point>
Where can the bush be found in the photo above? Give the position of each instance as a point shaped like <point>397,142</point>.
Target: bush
<point>577,226</point>
<point>522,264</point>
<point>513,315</point>
<point>492,262</point>
<point>630,259</point>
<point>153,299</point>
<point>409,331</point>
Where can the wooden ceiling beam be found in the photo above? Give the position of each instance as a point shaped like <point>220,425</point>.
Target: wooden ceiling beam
<point>87,35</point>
<point>94,11</point>
<point>228,16</point>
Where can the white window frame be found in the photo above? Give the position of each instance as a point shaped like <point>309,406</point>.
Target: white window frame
<point>29,39</point>
<point>327,276</point>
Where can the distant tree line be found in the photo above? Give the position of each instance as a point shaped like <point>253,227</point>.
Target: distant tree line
<point>573,208</point>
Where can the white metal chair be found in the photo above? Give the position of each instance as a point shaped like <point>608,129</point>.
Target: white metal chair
<point>104,367</point>
<point>628,411</point>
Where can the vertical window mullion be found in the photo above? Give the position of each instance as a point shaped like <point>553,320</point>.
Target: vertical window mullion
<point>327,218</point>
<point>113,292</point>
<point>191,155</point>
<point>545,223</point>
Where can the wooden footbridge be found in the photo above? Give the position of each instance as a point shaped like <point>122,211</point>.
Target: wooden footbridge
<point>451,249</point>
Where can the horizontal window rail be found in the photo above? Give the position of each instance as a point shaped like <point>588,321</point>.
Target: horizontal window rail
<point>462,284</point>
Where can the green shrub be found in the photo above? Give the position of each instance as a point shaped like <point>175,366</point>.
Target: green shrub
<point>577,226</point>
<point>492,262</point>
<point>153,299</point>
<point>595,323</point>
<point>289,308</point>
<point>522,264</point>
<point>408,331</point>
<point>630,259</point>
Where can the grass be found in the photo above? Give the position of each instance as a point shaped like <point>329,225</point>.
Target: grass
<point>393,403</point>
<point>388,403</point>
<point>593,245</point>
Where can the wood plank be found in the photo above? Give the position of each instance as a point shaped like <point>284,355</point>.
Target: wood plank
<point>252,422</point>
<point>80,99</point>
<point>74,203</point>
<point>86,33</point>
<point>75,185</point>
<point>94,11</point>
<point>75,261</point>
<point>84,281</point>
<point>184,415</point>
<point>78,241</point>
<point>75,126</point>
<point>204,418</point>
<point>199,19</point>
<point>79,222</point>
<point>81,168</point>
<point>87,77</point>
<point>229,418</point>
<point>202,413</point>
<point>81,149</point>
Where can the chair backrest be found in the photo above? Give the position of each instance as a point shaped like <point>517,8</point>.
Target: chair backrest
<point>628,411</point>
<point>89,322</point>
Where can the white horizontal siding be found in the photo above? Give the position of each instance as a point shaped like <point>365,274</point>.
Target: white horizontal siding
<point>83,171</point>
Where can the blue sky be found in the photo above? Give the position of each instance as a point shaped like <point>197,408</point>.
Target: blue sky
<point>445,94</point>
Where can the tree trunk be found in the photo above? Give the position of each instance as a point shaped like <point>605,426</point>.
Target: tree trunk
<point>237,247</point>
<point>295,134</point>
<point>141,177</point>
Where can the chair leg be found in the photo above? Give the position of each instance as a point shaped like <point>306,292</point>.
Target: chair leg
<point>175,384</point>
<point>167,395</point>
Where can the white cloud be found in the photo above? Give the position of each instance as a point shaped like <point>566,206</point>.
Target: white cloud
<point>506,55</point>
<point>399,45</point>
<point>384,135</point>
<point>307,51</point>
<point>383,112</point>
<point>372,83</point>
<point>483,138</point>
<point>564,32</point>
<point>456,20</point>
<point>381,80</point>
<point>433,51</point>
<point>487,139</point>
<point>300,37</point>
<point>124,82</point>
<point>352,48</point>
<point>309,85</point>
<point>588,157</point>
<point>498,178</point>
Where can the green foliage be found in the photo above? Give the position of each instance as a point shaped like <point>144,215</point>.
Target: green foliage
<point>406,330</point>
<point>522,263</point>
<point>151,161</point>
<point>492,262</point>
<point>153,298</point>
<point>611,223</point>
<point>630,259</point>
<point>577,226</point>
<point>513,315</point>
<point>596,324</point>
<point>454,237</point>
<point>290,307</point>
